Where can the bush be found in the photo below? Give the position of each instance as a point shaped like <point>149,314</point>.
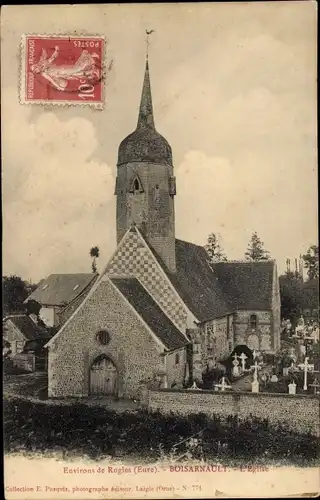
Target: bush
<point>97,432</point>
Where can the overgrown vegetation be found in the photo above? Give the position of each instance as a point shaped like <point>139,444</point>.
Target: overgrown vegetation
<point>98,432</point>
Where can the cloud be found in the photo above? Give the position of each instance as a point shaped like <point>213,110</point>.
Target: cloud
<point>58,202</point>
<point>236,198</point>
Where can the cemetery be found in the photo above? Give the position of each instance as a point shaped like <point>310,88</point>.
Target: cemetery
<point>282,387</point>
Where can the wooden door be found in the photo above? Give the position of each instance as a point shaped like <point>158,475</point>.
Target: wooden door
<point>103,377</point>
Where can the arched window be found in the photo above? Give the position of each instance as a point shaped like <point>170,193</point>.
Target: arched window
<point>103,337</point>
<point>177,359</point>
<point>253,322</point>
<point>136,185</point>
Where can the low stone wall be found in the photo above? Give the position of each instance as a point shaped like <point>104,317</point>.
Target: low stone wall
<point>25,362</point>
<point>299,412</point>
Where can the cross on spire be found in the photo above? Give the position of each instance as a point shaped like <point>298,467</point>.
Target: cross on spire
<point>148,33</point>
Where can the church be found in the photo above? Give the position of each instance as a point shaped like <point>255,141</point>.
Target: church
<point>159,312</point>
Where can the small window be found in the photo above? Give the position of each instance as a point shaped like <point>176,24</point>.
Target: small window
<point>157,194</point>
<point>45,286</point>
<point>75,287</point>
<point>253,322</point>
<point>103,337</point>
<point>136,185</point>
<point>177,359</point>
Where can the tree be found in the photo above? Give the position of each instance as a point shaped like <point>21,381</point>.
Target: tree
<point>255,250</point>
<point>311,262</point>
<point>291,293</point>
<point>94,254</point>
<point>33,307</point>
<point>214,250</point>
<point>15,291</point>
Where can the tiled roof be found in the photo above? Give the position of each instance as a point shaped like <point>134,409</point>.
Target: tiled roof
<point>61,289</point>
<point>247,285</point>
<point>212,291</point>
<point>150,312</point>
<point>196,283</point>
<point>29,329</point>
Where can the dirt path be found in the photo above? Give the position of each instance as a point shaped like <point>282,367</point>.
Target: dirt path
<point>33,387</point>
<point>244,384</point>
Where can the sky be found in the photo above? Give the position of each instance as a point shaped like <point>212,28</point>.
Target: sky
<point>234,93</point>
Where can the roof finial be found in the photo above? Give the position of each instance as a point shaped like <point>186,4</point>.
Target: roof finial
<point>148,33</point>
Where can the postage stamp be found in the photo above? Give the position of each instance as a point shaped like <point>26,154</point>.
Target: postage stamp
<point>62,70</point>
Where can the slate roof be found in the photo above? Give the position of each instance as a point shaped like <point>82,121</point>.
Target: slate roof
<point>196,283</point>
<point>247,285</point>
<point>150,312</point>
<point>61,289</point>
<point>29,329</point>
<point>212,291</point>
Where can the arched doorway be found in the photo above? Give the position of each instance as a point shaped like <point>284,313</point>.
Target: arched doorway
<point>253,342</point>
<point>103,376</point>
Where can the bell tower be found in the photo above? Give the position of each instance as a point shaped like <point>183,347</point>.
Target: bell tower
<point>145,185</point>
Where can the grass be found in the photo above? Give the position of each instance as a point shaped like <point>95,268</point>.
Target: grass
<point>97,432</point>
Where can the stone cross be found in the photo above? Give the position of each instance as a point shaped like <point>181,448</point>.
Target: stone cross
<point>305,367</point>
<point>315,385</point>
<point>255,367</point>
<point>224,385</point>
<point>194,387</point>
<point>243,358</point>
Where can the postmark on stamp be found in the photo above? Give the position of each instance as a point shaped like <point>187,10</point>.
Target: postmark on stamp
<point>62,70</point>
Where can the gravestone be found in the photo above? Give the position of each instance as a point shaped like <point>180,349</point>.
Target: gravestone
<point>255,383</point>
<point>255,386</point>
<point>292,388</point>
<point>235,369</point>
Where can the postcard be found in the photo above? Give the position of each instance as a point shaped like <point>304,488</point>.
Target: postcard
<point>160,251</point>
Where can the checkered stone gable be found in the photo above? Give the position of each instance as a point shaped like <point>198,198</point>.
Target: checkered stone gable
<point>134,259</point>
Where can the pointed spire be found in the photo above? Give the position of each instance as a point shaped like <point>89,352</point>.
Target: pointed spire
<point>146,110</point>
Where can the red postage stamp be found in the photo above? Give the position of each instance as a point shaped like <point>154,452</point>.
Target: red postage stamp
<point>62,69</point>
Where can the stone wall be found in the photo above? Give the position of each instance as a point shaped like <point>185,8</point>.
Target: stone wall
<point>216,339</point>
<point>151,208</point>
<point>176,372</point>
<point>13,335</point>
<point>243,334</point>
<point>298,412</point>
<point>132,348</point>
<point>49,315</point>
<point>276,310</point>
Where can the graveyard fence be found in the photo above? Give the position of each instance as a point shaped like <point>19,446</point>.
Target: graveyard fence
<point>299,413</point>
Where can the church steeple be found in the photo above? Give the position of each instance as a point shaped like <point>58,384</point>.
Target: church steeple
<point>145,118</point>
<point>145,144</point>
<point>145,185</point>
